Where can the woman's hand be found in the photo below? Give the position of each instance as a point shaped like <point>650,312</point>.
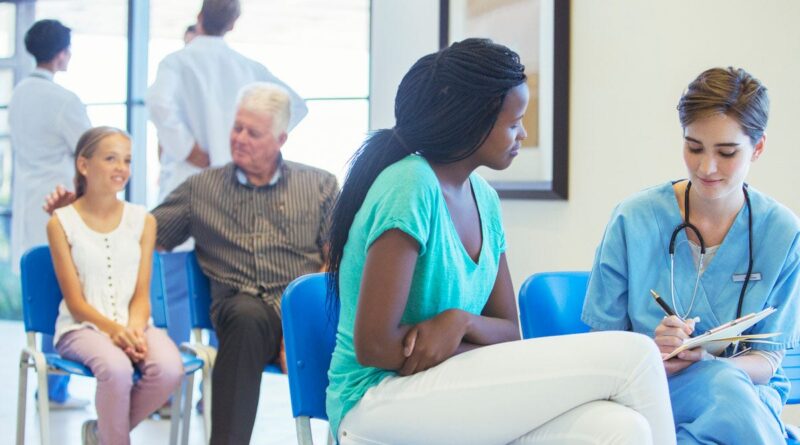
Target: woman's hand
<point>433,341</point>
<point>669,335</point>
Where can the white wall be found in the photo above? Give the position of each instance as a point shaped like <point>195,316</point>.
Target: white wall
<point>630,61</point>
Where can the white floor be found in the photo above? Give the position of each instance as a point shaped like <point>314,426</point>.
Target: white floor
<point>274,422</point>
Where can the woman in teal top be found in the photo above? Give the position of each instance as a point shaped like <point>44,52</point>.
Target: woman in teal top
<point>715,399</point>
<point>425,349</point>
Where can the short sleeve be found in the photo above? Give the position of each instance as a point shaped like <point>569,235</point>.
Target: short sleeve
<point>785,297</point>
<point>606,303</point>
<point>401,198</point>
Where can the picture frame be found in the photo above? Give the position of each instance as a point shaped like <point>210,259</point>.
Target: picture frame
<point>541,170</point>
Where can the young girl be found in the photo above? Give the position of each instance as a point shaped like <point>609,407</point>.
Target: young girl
<point>736,251</point>
<point>102,251</point>
<point>425,349</point>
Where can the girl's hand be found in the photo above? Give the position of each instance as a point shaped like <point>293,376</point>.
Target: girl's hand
<point>433,341</point>
<point>140,345</point>
<point>125,338</point>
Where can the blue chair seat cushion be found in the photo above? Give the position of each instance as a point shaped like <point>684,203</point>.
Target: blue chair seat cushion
<point>57,362</point>
<point>273,369</point>
<point>190,363</point>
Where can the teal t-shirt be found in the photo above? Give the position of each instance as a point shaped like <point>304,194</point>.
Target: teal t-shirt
<point>407,196</point>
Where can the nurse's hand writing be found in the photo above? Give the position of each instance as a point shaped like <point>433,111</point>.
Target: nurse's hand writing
<point>670,334</point>
<point>433,341</point>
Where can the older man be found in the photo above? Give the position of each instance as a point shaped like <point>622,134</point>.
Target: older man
<point>258,223</point>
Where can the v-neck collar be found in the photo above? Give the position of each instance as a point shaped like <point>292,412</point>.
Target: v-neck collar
<point>729,257</point>
<point>452,227</point>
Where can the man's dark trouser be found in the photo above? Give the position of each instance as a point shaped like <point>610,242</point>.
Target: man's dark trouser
<point>249,331</point>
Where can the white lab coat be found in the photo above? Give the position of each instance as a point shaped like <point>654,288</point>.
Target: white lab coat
<point>45,120</point>
<point>194,99</point>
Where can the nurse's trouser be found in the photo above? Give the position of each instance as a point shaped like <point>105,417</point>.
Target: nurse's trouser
<point>598,388</point>
<point>716,402</point>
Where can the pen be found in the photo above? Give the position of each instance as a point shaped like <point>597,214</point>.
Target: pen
<point>664,306</point>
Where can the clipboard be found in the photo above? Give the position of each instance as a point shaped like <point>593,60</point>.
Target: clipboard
<point>717,339</point>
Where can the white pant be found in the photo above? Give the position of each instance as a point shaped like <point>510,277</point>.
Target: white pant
<point>598,388</point>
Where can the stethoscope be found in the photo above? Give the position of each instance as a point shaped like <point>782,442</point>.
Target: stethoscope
<point>687,225</point>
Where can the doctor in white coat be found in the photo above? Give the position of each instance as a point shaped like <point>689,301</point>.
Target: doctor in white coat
<point>45,121</point>
<point>192,101</point>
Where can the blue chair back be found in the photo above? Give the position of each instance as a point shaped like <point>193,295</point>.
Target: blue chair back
<point>791,366</point>
<point>158,294</point>
<point>199,294</point>
<point>550,303</point>
<point>309,330</point>
<point>41,294</point>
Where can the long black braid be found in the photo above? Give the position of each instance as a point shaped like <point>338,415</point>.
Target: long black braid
<point>445,107</point>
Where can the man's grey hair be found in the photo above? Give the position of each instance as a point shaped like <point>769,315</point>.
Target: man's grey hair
<point>269,98</point>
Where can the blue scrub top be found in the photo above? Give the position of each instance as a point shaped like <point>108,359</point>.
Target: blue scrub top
<point>633,258</point>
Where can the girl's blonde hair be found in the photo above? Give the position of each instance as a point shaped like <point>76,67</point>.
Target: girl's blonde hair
<point>86,147</point>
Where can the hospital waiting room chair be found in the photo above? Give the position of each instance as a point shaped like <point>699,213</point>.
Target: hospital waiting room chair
<point>550,303</point>
<point>200,318</point>
<point>309,329</point>
<point>41,297</point>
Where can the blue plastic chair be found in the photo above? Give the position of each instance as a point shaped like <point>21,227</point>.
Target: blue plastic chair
<point>791,366</point>
<point>550,303</point>
<point>159,311</point>
<point>200,316</point>
<point>41,297</point>
<point>309,330</point>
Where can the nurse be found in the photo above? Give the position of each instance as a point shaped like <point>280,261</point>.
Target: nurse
<point>725,230</point>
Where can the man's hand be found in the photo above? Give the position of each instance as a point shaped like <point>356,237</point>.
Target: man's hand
<point>60,197</point>
<point>198,157</point>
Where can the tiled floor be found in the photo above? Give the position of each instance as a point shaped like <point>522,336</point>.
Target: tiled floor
<point>274,422</point>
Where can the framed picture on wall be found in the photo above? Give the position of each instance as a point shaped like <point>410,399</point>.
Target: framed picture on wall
<point>538,30</point>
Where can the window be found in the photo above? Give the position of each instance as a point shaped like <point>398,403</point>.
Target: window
<point>319,48</point>
<point>10,306</point>
<point>98,69</point>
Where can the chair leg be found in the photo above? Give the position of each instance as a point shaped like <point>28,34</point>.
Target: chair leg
<point>22,398</point>
<point>303,425</point>
<point>207,370</point>
<point>187,408</point>
<point>44,403</point>
<point>174,421</point>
